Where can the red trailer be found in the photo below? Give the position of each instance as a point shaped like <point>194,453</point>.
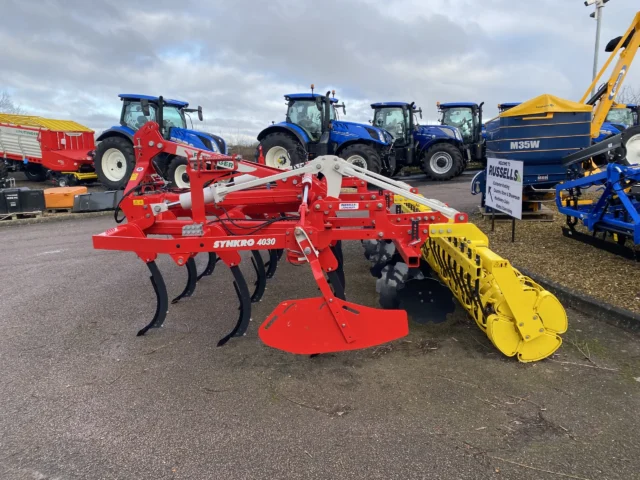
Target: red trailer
<point>43,148</point>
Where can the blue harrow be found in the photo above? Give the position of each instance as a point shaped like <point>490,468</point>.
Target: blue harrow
<point>613,219</point>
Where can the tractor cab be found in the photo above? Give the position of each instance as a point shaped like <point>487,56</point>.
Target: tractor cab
<point>503,107</point>
<point>624,116</point>
<point>311,112</point>
<point>619,118</point>
<point>467,117</point>
<point>398,119</point>
<point>139,109</point>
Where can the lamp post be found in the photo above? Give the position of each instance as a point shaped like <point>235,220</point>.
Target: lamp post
<point>597,14</point>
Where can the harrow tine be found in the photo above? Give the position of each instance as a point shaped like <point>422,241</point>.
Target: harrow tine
<point>192,278</point>
<point>280,252</point>
<point>272,263</point>
<point>211,265</point>
<point>242,291</point>
<point>261,281</point>
<point>162,300</point>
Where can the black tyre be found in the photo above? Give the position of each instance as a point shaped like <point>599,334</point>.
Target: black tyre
<point>35,172</point>
<point>114,162</point>
<point>363,156</point>
<point>282,151</point>
<point>442,161</point>
<point>177,173</point>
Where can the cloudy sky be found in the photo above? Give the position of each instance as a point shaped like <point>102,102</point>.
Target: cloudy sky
<point>237,58</point>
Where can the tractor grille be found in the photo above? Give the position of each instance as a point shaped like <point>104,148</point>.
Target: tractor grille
<point>373,133</point>
<point>206,141</point>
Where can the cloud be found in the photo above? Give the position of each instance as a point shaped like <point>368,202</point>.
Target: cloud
<point>70,59</point>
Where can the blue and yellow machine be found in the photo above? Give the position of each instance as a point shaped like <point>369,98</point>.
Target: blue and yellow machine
<point>557,139</point>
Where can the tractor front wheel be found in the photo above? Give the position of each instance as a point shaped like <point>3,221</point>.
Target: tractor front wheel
<point>35,172</point>
<point>362,156</point>
<point>114,162</point>
<point>282,151</point>
<point>177,173</point>
<point>442,161</point>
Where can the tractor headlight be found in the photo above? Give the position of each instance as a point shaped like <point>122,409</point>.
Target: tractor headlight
<point>458,134</point>
<point>606,132</point>
<point>381,136</point>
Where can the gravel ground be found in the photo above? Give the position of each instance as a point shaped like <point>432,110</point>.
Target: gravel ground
<point>541,248</point>
<point>84,398</point>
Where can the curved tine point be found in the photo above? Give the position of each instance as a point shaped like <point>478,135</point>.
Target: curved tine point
<point>240,285</point>
<point>192,278</point>
<point>261,280</point>
<point>211,265</point>
<point>162,300</point>
<point>272,264</point>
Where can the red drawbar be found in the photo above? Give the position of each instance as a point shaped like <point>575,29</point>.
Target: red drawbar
<point>306,326</point>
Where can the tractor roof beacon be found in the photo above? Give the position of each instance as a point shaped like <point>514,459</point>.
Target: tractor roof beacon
<point>312,128</point>
<point>439,150</point>
<point>115,157</point>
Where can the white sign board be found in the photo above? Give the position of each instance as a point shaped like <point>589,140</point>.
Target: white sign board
<point>503,190</point>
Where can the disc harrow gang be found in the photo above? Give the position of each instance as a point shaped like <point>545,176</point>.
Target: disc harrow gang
<point>423,251</point>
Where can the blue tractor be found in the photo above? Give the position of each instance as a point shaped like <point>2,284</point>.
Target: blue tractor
<point>619,118</point>
<point>467,116</point>
<point>115,158</point>
<point>312,128</point>
<point>436,149</point>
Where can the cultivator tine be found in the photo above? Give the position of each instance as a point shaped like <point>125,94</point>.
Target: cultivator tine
<point>336,285</point>
<point>337,252</point>
<point>211,265</point>
<point>272,263</point>
<point>192,278</point>
<point>162,300</point>
<point>261,280</point>
<point>242,291</point>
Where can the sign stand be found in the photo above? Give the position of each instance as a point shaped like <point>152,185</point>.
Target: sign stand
<point>513,229</point>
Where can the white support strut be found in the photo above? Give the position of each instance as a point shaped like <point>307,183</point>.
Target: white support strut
<point>334,169</point>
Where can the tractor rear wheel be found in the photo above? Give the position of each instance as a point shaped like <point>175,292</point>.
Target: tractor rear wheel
<point>177,173</point>
<point>114,162</point>
<point>362,156</point>
<point>35,172</point>
<point>282,151</point>
<point>442,161</point>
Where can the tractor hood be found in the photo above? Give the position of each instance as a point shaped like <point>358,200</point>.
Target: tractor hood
<point>198,139</point>
<point>360,130</point>
<point>439,131</point>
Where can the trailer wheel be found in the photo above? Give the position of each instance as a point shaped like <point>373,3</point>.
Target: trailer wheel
<point>282,151</point>
<point>35,172</point>
<point>442,161</point>
<point>362,156</point>
<point>114,162</point>
<point>177,173</point>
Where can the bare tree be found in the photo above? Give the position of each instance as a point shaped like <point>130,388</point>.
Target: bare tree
<point>629,94</point>
<point>8,106</point>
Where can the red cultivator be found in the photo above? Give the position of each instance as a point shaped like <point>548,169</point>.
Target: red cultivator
<point>304,215</point>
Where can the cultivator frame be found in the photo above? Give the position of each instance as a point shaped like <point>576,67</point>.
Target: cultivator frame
<point>235,205</point>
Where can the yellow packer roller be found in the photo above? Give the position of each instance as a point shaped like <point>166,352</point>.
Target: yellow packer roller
<point>518,315</point>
